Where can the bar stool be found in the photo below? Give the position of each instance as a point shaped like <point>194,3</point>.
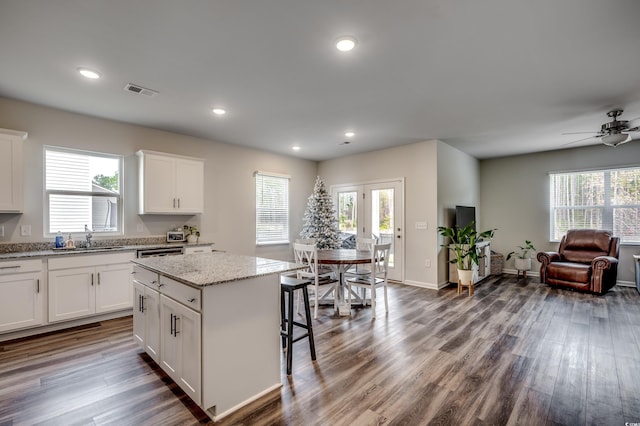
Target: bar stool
<point>289,285</point>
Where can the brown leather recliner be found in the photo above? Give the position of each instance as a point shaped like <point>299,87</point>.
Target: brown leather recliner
<point>586,260</point>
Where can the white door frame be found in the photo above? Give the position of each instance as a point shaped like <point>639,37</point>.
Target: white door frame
<point>397,274</point>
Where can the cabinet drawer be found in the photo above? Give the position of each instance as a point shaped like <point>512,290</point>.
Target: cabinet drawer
<point>197,249</point>
<point>145,276</point>
<point>81,260</point>
<point>19,266</point>
<point>182,293</point>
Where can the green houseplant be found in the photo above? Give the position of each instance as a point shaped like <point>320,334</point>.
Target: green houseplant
<point>523,256</point>
<point>463,244</point>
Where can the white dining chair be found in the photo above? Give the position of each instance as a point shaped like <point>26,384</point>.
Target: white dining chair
<point>307,254</point>
<point>306,241</point>
<point>377,278</point>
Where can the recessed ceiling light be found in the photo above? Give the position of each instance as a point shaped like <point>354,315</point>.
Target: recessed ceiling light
<point>350,134</point>
<point>295,148</point>
<point>346,43</point>
<point>86,72</point>
<point>219,111</point>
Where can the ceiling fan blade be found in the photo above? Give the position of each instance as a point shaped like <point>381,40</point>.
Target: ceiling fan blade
<point>580,140</point>
<point>633,129</point>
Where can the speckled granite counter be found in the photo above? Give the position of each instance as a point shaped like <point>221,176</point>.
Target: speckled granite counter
<point>214,268</point>
<point>47,252</point>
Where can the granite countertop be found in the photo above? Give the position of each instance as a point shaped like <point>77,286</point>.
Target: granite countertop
<point>96,249</point>
<point>199,270</point>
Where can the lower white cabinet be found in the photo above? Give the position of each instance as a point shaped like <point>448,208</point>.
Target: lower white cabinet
<point>167,326</point>
<point>180,346</point>
<point>22,294</point>
<point>146,319</point>
<point>86,285</point>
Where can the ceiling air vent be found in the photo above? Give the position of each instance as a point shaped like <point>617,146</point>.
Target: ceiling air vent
<point>139,90</point>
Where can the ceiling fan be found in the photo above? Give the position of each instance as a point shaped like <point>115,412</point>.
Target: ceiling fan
<point>614,133</point>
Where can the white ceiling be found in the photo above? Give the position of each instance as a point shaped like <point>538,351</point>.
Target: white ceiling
<point>491,77</point>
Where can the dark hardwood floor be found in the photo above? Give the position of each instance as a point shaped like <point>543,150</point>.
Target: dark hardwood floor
<point>514,353</point>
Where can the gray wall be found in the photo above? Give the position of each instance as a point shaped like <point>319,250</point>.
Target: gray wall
<point>229,218</point>
<point>514,194</point>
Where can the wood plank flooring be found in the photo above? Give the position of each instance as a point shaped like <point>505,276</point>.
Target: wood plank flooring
<point>515,353</point>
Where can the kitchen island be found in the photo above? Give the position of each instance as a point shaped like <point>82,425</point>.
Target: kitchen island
<point>212,321</point>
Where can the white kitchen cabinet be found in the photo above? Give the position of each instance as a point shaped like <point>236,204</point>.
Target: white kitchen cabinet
<point>21,294</point>
<point>11,171</point>
<point>81,286</point>
<point>180,346</point>
<point>170,184</point>
<point>146,312</point>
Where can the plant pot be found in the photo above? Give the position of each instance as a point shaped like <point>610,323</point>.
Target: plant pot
<point>523,264</point>
<point>465,276</point>
<point>191,238</point>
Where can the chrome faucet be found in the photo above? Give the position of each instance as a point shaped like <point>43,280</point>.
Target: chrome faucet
<point>88,236</point>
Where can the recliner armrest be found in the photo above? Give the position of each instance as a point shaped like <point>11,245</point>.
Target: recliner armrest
<point>603,262</point>
<point>546,257</point>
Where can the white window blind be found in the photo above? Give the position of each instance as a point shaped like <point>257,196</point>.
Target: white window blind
<point>82,188</point>
<point>600,199</point>
<point>272,208</point>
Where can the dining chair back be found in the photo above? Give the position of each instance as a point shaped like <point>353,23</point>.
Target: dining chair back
<point>377,278</point>
<point>307,254</point>
<point>311,241</point>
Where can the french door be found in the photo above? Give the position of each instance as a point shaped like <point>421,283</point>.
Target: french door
<point>374,209</point>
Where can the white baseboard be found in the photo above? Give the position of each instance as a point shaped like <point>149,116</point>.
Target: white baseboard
<point>537,274</point>
<point>430,286</point>
<point>62,325</point>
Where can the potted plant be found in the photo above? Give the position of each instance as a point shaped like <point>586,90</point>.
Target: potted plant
<point>191,233</point>
<point>464,247</point>
<point>523,256</point>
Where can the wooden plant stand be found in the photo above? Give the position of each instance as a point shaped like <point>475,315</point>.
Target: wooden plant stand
<point>461,285</point>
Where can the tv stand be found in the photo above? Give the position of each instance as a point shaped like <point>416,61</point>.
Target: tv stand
<point>480,271</point>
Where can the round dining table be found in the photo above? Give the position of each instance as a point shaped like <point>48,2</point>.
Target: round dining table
<point>341,260</point>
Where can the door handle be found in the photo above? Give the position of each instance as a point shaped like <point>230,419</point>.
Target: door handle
<point>38,286</point>
<point>98,278</point>
<point>172,326</point>
<point>92,279</point>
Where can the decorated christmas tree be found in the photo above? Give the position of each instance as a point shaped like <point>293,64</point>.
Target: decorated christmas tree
<point>320,218</point>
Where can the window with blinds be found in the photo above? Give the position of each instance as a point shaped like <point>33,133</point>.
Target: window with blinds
<point>82,188</point>
<point>601,199</point>
<point>272,208</point>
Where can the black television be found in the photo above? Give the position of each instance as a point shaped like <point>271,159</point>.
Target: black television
<point>465,215</point>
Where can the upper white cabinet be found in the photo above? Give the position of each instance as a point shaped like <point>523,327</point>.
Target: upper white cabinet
<point>170,184</point>
<point>11,171</point>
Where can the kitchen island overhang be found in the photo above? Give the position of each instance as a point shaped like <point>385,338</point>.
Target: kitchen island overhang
<point>220,342</point>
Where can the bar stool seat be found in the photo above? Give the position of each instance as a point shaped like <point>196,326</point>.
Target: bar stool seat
<point>288,285</point>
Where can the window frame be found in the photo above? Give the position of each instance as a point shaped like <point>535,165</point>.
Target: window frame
<point>607,208</point>
<point>284,239</point>
<point>47,193</point>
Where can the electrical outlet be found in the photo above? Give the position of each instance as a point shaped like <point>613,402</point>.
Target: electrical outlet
<point>25,230</point>
<point>427,263</point>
